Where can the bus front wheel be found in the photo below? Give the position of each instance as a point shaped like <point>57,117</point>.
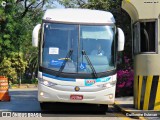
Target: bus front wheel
<point>103,108</point>
<point>43,106</point>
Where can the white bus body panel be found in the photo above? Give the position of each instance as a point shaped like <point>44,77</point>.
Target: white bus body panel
<point>79,16</point>
<point>90,94</point>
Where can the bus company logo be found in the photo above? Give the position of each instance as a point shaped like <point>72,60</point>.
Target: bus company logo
<point>89,82</point>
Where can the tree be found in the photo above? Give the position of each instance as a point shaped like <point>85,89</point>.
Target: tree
<point>17,20</point>
<point>7,70</point>
<point>13,66</point>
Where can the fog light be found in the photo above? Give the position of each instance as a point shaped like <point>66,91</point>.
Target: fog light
<point>110,96</point>
<point>41,93</point>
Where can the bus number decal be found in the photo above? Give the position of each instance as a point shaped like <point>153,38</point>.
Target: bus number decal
<point>89,82</point>
<point>105,79</point>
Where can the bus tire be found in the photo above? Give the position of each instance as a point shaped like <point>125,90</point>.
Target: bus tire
<point>43,106</point>
<point>103,108</point>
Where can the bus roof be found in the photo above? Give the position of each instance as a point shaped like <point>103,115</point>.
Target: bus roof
<point>69,15</point>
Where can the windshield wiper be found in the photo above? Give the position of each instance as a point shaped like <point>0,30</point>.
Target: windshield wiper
<point>65,61</point>
<point>90,63</point>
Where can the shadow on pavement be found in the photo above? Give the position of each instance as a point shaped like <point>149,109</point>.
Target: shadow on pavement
<point>63,109</point>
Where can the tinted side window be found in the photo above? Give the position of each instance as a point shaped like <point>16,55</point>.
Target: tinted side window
<point>147,33</point>
<point>144,37</point>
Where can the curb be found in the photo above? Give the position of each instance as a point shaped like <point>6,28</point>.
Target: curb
<point>125,111</point>
<point>23,89</point>
<point>23,86</point>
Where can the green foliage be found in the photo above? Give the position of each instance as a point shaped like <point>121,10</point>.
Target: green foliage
<point>6,69</point>
<point>13,66</point>
<point>35,81</point>
<point>17,20</point>
<point>18,62</point>
<point>90,4</point>
<point>69,3</point>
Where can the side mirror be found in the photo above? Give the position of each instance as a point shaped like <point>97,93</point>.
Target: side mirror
<point>121,39</point>
<point>35,34</point>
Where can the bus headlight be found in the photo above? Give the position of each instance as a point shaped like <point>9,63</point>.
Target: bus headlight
<point>47,83</point>
<point>107,85</point>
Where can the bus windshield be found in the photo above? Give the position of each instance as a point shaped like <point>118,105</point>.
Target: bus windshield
<point>63,46</point>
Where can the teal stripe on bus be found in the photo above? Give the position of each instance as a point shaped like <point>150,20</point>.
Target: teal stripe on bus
<point>59,78</point>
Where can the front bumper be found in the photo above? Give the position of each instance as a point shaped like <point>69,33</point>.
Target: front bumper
<point>47,94</point>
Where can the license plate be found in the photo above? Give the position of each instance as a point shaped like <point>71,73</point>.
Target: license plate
<point>76,97</point>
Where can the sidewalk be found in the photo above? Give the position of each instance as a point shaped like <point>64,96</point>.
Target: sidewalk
<point>126,106</point>
<point>125,103</point>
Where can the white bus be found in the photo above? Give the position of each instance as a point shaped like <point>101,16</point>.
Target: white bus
<point>77,56</point>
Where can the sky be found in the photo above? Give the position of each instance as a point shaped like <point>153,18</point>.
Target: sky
<point>58,5</point>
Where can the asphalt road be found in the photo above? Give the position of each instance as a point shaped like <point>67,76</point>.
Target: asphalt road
<point>24,103</point>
